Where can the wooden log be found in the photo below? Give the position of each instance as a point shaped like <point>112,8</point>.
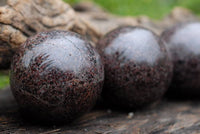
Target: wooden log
<point>167,117</point>
<point>20,19</point>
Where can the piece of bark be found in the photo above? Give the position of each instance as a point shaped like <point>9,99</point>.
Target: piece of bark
<point>20,19</point>
<point>165,118</point>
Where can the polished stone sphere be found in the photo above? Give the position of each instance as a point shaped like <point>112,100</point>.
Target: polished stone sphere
<point>183,41</point>
<point>138,68</point>
<point>56,76</point>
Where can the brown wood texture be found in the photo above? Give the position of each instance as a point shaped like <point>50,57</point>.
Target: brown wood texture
<point>19,19</point>
<point>166,117</point>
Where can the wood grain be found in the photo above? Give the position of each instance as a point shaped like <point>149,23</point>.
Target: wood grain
<point>166,117</point>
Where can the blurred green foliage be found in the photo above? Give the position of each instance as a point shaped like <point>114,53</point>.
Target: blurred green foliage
<point>4,80</point>
<point>153,8</point>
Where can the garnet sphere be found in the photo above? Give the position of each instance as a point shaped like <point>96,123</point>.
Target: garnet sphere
<point>138,68</point>
<point>183,41</point>
<point>56,76</point>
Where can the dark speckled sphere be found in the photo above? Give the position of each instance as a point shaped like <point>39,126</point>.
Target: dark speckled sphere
<point>56,76</point>
<point>138,68</point>
<point>183,41</point>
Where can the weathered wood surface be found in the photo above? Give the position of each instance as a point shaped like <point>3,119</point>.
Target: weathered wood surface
<point>167,117</point>
<point>20,19</point>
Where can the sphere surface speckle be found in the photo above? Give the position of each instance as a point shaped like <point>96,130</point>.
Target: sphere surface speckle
<point>183,41</point>
<point>137,67</point>
<point>56,76</point>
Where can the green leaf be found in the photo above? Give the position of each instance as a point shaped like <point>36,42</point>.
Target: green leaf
<point>4,80</point>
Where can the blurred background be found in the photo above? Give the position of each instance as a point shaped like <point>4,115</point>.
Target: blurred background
<point>155,9</point>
